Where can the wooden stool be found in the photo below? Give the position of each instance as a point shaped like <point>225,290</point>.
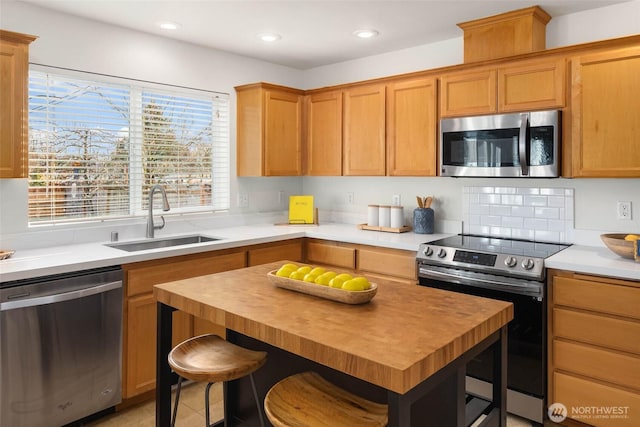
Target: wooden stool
<point>308,400</point>
<point>212,359</point>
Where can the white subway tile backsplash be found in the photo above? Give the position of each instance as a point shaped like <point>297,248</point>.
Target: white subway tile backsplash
<point>491,220</point>
<point>512,221</point>
<point>505,190</point>
<point>535,223</point>
<point>479,209</point>
<point>552,191</point>
<point>490,199</point>
<point>523,211</point>
<point>531,213</point>
<point>535,200</point>
<point>512,200</point>
<point>555,201</point>
<point>550,213</point>
<point>528,191</point>
<point>499,210</point>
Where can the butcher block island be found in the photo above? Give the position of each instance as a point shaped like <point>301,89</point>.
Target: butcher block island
<point>407,347</point>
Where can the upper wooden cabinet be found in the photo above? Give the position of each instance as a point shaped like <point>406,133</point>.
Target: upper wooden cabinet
<point>269,130</point>
<point>605,118</point>
<point>324,134</point>
<point>412,128</point>
<point>519,86</point>
<point>467,93</point>
<point>14,69</point>
<point>364,130</point>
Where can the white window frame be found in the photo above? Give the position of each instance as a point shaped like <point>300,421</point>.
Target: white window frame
<point>221,170</point>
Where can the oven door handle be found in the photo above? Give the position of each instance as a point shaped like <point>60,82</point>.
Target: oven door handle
<point>533,290</point>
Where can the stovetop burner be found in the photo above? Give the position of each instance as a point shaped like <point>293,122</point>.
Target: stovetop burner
<point>501,245</point>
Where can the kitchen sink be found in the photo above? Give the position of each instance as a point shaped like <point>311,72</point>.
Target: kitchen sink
<point>168,242</point>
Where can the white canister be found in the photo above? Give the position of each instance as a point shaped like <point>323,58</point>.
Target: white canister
<point>384,216</point>
<point>397,216</point>
<point>372,216</point>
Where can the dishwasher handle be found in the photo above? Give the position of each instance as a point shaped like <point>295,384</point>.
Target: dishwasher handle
<point>64,296</point>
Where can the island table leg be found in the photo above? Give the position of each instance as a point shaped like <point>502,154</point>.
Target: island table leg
<point>163,370</point>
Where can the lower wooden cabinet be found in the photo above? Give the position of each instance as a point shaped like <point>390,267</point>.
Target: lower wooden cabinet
<point>140,315</point>
<point>594,347</point>
<point>139,331</point>
<point>271,252</point>
<point>390,264</point>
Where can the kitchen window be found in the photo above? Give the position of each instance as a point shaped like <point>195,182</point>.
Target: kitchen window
<point>97,144</point>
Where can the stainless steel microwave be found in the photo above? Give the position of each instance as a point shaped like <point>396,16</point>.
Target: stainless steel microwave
<point>501,145</point>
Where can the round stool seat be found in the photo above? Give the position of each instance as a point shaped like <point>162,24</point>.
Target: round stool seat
<point>209,358</point>
<point>308,400</point>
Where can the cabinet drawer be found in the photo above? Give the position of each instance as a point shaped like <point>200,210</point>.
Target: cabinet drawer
<point>142,278</point>
<point>599,330</point>
<point>289,251</point>
<point>388,262</point>
<point>597,363</point>
<point>580,396</point>
<point>323,253</point>
<point>601,297</point>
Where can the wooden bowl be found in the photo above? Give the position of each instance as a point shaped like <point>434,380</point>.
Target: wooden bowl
<point>616,243</point>
<point>334,294</point>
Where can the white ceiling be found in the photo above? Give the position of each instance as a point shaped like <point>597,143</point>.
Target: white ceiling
<point>314,32</point>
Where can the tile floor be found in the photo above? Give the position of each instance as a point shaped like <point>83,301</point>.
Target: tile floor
<point>191,411</point>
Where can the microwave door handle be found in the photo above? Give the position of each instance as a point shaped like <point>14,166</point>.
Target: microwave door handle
<point>522,144</point>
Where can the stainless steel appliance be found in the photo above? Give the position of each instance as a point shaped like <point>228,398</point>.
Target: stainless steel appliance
<point>501,145</point>
<point>508,270</point>
<point>60,347</point>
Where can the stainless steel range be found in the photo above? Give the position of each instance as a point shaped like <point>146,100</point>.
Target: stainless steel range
<point>509,270</point>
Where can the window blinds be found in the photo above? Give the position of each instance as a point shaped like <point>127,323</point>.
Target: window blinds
<point>96,148</point>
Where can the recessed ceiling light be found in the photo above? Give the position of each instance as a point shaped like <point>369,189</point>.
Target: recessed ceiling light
<point>269,37</point>
<point>365,34</point>
<point>168,25</point>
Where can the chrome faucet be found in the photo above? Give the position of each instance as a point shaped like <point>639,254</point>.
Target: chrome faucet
<point>165,207</point>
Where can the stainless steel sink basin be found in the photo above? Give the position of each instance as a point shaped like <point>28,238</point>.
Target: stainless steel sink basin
<point>168,242</point>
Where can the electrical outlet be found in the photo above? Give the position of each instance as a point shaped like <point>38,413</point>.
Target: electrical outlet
<point>350,197</point>
<point>395,200</point>
<point>280,197</point>
<point>624,210</point>
<point>243,200</point>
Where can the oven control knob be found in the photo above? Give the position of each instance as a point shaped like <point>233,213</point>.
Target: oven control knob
<point>528,264</point>
<point>510,261</point>
<point>442,253</point>
<point>428,251</point>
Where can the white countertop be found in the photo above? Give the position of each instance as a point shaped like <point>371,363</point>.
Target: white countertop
<point>31,263</point>
<point>594,260</point>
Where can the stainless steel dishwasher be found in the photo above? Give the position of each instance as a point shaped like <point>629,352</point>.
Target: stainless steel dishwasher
<point>60,347</point>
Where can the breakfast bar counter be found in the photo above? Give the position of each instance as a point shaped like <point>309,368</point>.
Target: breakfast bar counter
<point>408,344</point>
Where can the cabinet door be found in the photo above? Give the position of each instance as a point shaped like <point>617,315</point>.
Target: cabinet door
<point>532,85</point>
<point>605,101</point>
<point>331,253</point>
<point>364,131</point>
<point>14,68</point>
<point>139,333</point>
<point>324,134</point>
<point>411,128</point>
<point>140,344</point>
<point>282,133</point>
<point>468,93</point>
<point>276,252</point>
